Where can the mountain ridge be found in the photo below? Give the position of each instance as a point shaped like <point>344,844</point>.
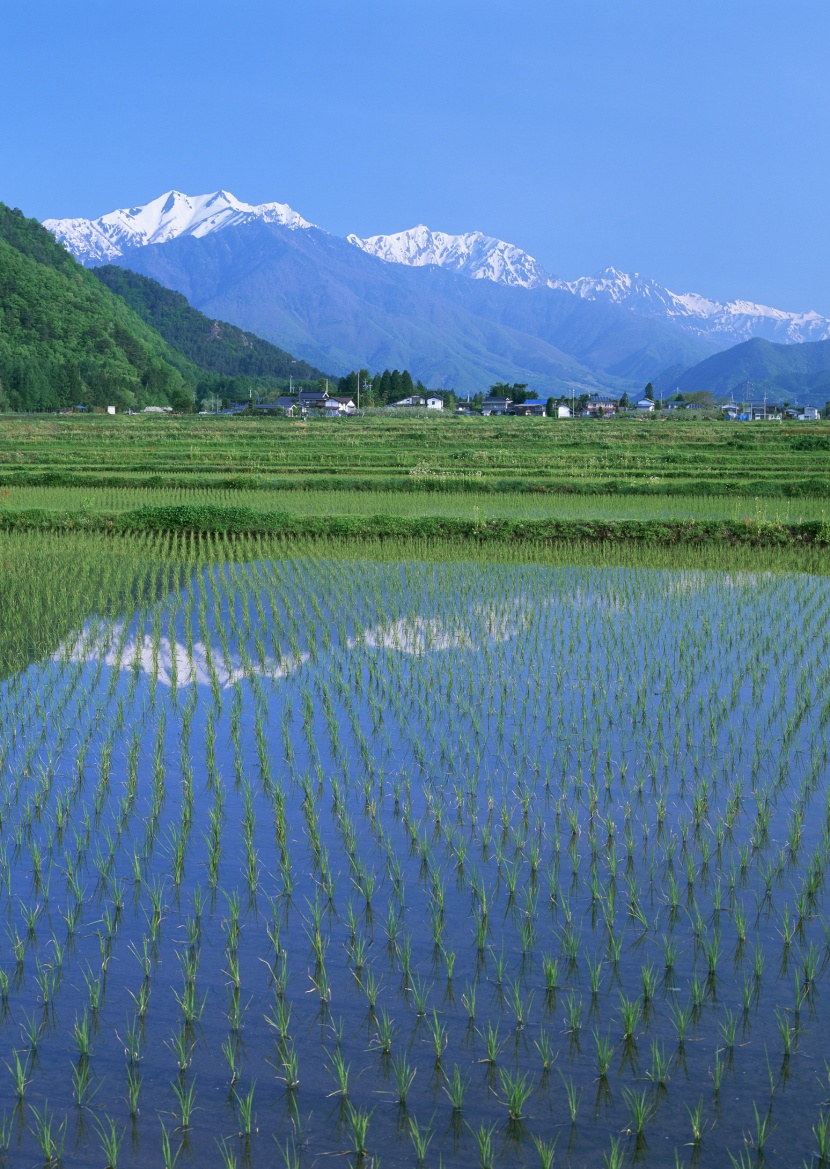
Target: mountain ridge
<point>211,344</point>
<point>459,310</point>
<point>317,295</point>
<point>171,215</point>
<point>800,373</point>
<point>473,254</point>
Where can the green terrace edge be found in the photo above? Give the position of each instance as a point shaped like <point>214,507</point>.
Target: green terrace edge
<point>241,521</point>
<point>739,487</point>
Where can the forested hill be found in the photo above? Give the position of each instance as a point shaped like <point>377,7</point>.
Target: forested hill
<point>798,372</point>
<point>66,339</point>
<point>213,345</point>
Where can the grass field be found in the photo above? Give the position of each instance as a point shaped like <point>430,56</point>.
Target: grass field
<point>463,504</point>
<point>453,454</point>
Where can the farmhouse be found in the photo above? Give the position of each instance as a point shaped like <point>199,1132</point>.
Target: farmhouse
<point>312,399</point>
<point>531,407</point>
<point>427,401</point>
<point>496,405</point>
<point>289,404</point>
<point>336,407</point>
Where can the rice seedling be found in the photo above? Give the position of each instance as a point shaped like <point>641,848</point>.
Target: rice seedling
<point>639,1108</point>
<point>244,1111</point>
<point>484,1141</point>
<point>111,1140</point>
<point>49,1135</point>
<point>186,1101</point>
<point>545,1049</point>
<point>546,1151</point>
<point>359,1127</point>
<point>228,1153</point>
<point>19,1072</point>
<point>573,1096</point>
<point>660,1065</point>
<point>821,1132</point>
<point>491,1043</point>
<point>404,1076</point>
<point>169,1158</point>
<point>421,1139</point>
<point>605,1051</point>
<point>134,1081</point>
<point>468,999</point>
<point>629,1018</point>
<point>456,1088</point>
<point>384,1032</point>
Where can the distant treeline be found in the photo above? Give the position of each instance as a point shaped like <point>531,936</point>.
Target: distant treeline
<point>379,389</point>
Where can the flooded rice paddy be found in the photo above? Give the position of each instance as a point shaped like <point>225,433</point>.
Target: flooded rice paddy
<point>312,861</point>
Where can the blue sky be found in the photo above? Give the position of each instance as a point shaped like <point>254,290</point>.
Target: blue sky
<point>684,139</point>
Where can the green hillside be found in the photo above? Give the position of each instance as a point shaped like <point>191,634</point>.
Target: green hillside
<point>66,340</point>
<point>213,345</point>
<point>800,373</point>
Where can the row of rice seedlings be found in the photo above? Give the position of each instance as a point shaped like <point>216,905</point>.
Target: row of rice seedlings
<point>435,802</point>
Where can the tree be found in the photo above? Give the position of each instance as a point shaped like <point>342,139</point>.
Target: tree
<point>550,408</point>
<point>519,393</point>
<point>649,393</point>
<point>347,386</point>
<point>701,398</point>
<point>623,402</point>
<point>406,384</point>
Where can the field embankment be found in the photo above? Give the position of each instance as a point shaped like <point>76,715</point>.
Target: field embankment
<point>245,521</point>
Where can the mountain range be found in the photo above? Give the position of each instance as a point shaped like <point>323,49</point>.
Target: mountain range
<point>458,310</point>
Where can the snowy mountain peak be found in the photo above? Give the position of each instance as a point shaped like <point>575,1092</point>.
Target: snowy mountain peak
<point>173,214</point>
<point>474,254</point>
<point>729,323</point>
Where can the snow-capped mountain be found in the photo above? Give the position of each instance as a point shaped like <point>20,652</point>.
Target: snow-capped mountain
<point>733,322</point>
<point>484,258</point>
<point>474,254</point>
<point>586,318</point>
<point>99,241</point>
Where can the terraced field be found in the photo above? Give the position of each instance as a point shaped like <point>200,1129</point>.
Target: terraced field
<point>413,455</point>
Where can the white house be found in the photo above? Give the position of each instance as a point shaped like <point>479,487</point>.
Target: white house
<point>335,407</point>
<point>434,402</point>
<point>110,409</point>
<point>563,412</point>
<point>809,414</point>
<point>645,404</point>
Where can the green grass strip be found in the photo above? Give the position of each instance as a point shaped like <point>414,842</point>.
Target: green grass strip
<point>235,520</point>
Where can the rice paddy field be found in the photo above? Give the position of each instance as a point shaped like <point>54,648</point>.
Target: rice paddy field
<point>409,855</point>
<point>610,457</point>
<point>468,504</point>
